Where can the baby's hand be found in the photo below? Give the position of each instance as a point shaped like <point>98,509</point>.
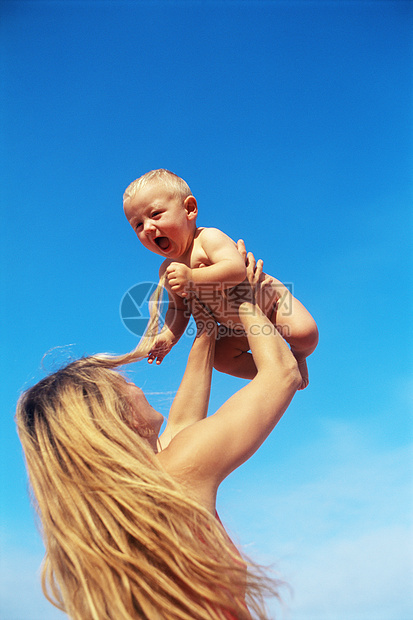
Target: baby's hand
<point>161,348</point>
<point>179,277</point>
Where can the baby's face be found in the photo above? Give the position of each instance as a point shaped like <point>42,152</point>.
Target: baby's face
<point>163,223</point>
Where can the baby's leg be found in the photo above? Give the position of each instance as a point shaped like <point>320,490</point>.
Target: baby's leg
<point>296,325</point>
<point>232,355</point>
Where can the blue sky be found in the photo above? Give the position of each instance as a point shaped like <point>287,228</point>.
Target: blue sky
<point>291,122</point>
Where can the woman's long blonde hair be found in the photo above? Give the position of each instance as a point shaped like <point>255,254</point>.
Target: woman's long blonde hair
<point>123,539</point>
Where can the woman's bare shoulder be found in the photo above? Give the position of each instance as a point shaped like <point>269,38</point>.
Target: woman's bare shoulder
<point>200,488</point>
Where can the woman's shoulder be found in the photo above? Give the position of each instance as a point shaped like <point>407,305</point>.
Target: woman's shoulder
<point>200,487</point>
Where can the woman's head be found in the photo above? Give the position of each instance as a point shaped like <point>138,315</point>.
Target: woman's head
<point>85,403</point>
<point>88,459</point>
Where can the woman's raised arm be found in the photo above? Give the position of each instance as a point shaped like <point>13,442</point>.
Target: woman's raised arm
<point>191,401</point>
<point>203,454</point>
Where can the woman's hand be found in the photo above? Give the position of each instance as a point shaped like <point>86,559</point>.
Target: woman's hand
<point>256,288</point>
<point>260,283</point>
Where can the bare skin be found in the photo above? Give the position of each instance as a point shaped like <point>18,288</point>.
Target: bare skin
<point>204,453</point>
<point>201,451</point>
<point>206,263</point>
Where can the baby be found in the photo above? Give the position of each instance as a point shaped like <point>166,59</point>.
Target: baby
<point>162,211</point>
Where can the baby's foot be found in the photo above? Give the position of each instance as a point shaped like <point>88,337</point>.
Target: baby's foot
<point>302,367</point>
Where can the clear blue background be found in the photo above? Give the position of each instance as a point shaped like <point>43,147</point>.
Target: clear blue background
<point>291,122</point>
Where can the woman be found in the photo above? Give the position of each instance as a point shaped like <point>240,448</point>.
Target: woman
<point>129,519</point>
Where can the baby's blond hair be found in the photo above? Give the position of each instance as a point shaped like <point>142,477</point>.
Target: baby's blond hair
<point>172,181</point>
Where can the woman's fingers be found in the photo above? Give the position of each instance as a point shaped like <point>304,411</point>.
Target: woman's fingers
<point>255,275</point>
<point>250,267</point>
<point>242,249</point>
<point>258,271</point>
<point>256,278</point>
<point>254,270</point>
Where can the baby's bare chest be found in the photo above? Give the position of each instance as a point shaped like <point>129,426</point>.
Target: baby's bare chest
<point>198,257</point>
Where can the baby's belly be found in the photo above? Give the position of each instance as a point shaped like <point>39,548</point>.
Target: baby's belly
<point>219,305</point>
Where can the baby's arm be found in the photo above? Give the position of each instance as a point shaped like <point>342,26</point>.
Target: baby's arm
<point>176,321</point>
<point>224,265</point>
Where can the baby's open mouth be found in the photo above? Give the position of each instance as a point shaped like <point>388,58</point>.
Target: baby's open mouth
<point>163,243</point>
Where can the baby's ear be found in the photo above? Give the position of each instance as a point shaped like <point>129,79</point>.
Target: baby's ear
<point>191,207</point>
